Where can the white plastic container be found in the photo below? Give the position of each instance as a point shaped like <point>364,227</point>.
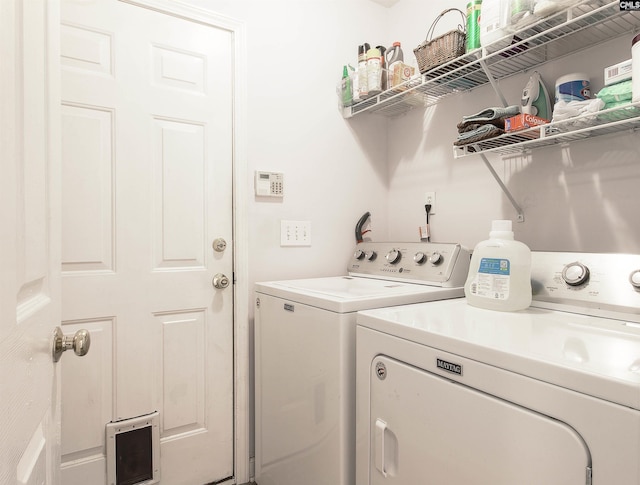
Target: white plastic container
<point>573,87</point>
<point>374,71</point>
<point>494,24</point>
<point>500,272</point>
<point>635,62</point>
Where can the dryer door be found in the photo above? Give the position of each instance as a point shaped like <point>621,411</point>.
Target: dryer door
<point>427,429</point>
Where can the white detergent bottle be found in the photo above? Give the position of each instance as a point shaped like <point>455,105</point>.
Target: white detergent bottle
<point>494,24</point>
<point>500,272</point>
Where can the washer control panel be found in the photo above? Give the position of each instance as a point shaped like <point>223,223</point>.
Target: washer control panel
<point>438,264</point>
<point>609,282</point>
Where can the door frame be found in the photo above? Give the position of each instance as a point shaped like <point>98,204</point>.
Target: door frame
<point>241,409</point>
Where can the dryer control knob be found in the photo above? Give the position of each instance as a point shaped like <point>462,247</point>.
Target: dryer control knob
<point>435,259</point>
<point>420,257</point>
<point>359,254</point>
<point>634,279</point>
<point>575,274</point>
<point>370,255</point>
<point>394,256</point>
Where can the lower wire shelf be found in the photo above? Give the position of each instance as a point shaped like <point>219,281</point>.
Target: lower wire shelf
<point>613,120</point>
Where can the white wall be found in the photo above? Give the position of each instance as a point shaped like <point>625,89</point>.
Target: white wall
<point>334,169</point>
<point>580,198</point>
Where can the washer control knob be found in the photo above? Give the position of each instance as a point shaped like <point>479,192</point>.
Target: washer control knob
<point>575,274</point>
<point>394,256</point>
<point>435,258</point>
<point>359,254</point>
<point>420,257</point>
<point>370,255</point>
<point>634,279</point>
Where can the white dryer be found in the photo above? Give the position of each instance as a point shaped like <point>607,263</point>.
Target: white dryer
<point>305,354</point>
<point>450,394</point>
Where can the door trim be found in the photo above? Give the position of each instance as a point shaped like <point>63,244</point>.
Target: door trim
<point>239,220</point>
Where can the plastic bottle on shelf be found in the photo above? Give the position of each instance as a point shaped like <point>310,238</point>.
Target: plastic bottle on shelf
<point>635,68</point>
<point>355,90</point>
<point>520,14</point>
<point>394,58</point>
<point>347,93</point>
<point>500,272</point>
<point>494,24</point>
<point>374,71</point>
<point>363,90</point>
<point>383,66</point>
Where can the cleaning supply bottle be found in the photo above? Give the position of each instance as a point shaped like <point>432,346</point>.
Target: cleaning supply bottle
<point>374,71</point>
<point>363,90</point>
<point>394,57</point>
<point>383,66</point>
<point>500,272</point>
<point>347,93</point>
<point>355,90</point>
<point>494,24</point>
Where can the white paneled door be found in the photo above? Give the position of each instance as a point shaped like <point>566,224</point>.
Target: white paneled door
<point>147,188</point>
<point>29,243</point>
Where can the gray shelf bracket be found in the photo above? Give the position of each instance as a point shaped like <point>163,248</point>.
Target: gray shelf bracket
<point>493,82</point>
<point>504,188</point>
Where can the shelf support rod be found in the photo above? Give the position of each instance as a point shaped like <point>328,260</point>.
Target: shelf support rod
<point>493,82</point>
<point>503,187</point>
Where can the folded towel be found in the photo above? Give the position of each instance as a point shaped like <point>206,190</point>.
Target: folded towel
<point>482,133</point>
<point>490,115</point>
<point>564,110</point>
<point>622,91</point>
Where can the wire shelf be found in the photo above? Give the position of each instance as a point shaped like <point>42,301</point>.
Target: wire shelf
<point>613,120</point>
<point>565,32</point>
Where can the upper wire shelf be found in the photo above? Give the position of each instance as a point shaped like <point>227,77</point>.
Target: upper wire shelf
<point>565,32</point>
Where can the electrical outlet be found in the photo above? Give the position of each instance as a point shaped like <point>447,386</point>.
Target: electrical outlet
<point>430,198</point>
<point>295,233</point>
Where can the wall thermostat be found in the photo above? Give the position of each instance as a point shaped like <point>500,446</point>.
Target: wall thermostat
<point>269,184</point>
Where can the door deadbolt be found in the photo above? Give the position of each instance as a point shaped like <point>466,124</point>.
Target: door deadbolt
<point>220,281</point>
<point>79,342</point>
<point>219,244</point>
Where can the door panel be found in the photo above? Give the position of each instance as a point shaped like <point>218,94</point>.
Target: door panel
<point>147,182</point>
<point>427,429</point>
<point>29,243</point>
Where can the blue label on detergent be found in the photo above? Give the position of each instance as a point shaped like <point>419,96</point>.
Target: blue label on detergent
<point>495,266</point>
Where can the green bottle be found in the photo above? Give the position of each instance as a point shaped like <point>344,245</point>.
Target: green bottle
<point>347,91</point>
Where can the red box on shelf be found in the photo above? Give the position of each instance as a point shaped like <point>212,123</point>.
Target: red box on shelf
<point>522,122</point>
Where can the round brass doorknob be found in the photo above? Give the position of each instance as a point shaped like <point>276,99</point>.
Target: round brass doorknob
<point>220,281</point>
<point>79,342</point>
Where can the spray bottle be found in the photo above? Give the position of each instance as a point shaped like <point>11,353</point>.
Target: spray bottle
<point>347,93</point>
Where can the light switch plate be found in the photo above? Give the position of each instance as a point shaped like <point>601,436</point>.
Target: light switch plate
<point>295,233</point>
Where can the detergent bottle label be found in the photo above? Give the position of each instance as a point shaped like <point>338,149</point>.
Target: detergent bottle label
<point>492,279</point>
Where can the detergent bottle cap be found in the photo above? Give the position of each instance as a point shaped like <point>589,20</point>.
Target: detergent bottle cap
<point>501,229</point>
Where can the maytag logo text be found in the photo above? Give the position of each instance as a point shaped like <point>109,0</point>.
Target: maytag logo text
<point>449,366</point>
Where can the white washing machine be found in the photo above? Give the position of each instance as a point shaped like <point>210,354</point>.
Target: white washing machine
<point>305,354</point>
<point>450,394</point>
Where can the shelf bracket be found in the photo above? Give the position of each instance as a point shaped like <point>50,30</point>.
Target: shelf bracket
<point>493,82</point>
<point>503,187</point>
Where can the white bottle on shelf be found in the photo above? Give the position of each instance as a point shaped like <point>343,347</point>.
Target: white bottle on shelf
<point>374,71</point>
<point>500,272</point>
<point>494,24</point>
